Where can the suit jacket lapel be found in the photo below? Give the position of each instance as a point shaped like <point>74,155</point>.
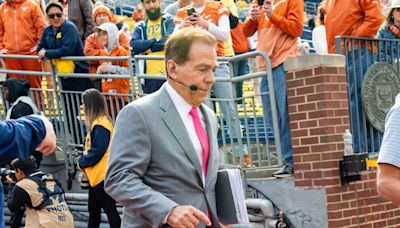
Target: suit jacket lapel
<point>174,123</point>
<point>212,153</point>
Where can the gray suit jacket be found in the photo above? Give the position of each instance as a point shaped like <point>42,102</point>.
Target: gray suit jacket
<point>153,166</point>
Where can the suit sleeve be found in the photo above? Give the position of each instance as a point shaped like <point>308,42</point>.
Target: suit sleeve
<point>19,138</point>
<point>130,156</point>
<point>292,24</point>
<point>373,19</point>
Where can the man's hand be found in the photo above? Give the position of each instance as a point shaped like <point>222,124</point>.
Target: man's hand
<point>267,8</point>
<point>48,145</point>
<point>42,53</point>
<point>199,21</point>
<point>255,12</point>
<point>187,216</point>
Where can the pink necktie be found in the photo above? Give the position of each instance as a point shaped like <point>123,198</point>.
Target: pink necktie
<point>202,135</point>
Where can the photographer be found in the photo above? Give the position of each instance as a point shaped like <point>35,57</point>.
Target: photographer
<point>40,194</point>
<point>19,138</point>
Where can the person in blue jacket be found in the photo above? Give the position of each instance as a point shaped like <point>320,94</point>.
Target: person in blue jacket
<point>149,37</point>
<point>60,39</point>
<point>20,138</point>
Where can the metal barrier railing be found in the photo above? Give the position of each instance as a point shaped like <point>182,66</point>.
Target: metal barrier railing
<point>244,130</point>
<point>361,54</point>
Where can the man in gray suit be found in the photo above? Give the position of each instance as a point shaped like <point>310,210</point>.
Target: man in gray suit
<point>161,168</point>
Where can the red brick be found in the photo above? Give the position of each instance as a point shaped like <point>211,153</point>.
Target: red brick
<point>328,104</point>
<point>298,175</point>
<point>320,114</point>
<point>366,225</point>
<point>294,125</point>
<point>339,223</point>
<point>330,121</point>
<point>335,214</point>
<point>325,164</point>
<point>342,112</point>
<point>348,196</point>
<point>372,201</point>
<point>326,88</point>
<point>364,193</point>
<point>304,73</point>
<point>317,80</point>
<point>331,138</point>
<point>326,181</point>
<point>324,148</point>
<point>302,166</point>
<point>322,130</point>
<point>299,133</point>
<point>309,140</point>
<point>332,155</point>
<point>340,96</point>
<point>292,109</point>
<point>294,83</point>
<point>289,76</point>
<point>386,215</point>
<point>333,198</point>
<point>372,175</point>
<point>305,90</point>
<point>312,174</point>
<point>301,150</point>
<point>349,213</point>
<point>331,173</point>
<point>311,157</point>
<point>295,142</point>
<point>297,116</point>
<point>303,183</point>
<point>372,217</point>
<point>336,189</point>
<point>394,221</point>
<point>291,92</point>
<point>318,97</point>
<point>342,72</point>
<point>365,210</point>
<point>308,123</point>
<point>296,100</point>
<point>344,104</point>
<point>369,184</point>
<point>296,158</point>
<point>380,224</point>
<point>306,107</point>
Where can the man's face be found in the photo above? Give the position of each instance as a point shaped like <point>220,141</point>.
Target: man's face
<point>152,8</point>
<point>19,174</point>
<point>197,70</point>
<point>102,18</point>
<point>56,17</point>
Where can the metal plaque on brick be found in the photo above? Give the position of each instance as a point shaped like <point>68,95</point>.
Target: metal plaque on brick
<point>379,89</point>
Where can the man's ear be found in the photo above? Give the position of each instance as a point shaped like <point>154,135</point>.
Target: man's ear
<point>171,68</point>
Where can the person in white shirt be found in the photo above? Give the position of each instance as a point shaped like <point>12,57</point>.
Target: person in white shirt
<point>319,33</point>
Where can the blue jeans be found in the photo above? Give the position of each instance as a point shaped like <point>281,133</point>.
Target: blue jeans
<point>279,76</point>
<point>223,90</point>
<point>365,137</point>
<point>240,68</point>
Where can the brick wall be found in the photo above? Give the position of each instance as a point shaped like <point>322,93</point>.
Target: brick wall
<point>318,113</point>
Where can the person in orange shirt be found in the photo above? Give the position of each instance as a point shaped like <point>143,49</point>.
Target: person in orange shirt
<point>362,19</point>
<point>108,36</point>
<point>279,24</point>
<point>21,26</point>
<point>93,46</point>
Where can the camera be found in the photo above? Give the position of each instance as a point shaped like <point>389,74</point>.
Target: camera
<point>8,172</point>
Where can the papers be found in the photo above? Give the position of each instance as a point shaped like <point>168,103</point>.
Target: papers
<point>231,205</point>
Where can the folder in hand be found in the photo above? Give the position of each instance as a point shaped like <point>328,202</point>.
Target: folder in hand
<point>231,205</point>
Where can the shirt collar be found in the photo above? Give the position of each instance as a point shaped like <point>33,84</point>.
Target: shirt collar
<point>181,105</point>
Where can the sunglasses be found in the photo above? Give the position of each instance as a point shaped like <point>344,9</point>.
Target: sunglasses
<point>53,15</point>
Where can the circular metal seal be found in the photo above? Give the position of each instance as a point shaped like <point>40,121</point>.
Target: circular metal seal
<point>379,89</point>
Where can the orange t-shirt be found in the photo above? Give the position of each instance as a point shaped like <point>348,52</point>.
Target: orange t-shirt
<point>212,13</point>
<point>119,85</point>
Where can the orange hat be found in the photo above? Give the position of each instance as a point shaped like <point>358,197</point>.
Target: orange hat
<point>103,9</point>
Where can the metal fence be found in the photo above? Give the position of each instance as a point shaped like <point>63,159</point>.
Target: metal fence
<point>368,105</point>
<point>243,132</point>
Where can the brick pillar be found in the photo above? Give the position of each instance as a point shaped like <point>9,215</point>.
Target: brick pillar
<point>319,115</point>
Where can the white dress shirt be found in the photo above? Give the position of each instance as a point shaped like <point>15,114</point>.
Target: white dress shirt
<point>183,109</point>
